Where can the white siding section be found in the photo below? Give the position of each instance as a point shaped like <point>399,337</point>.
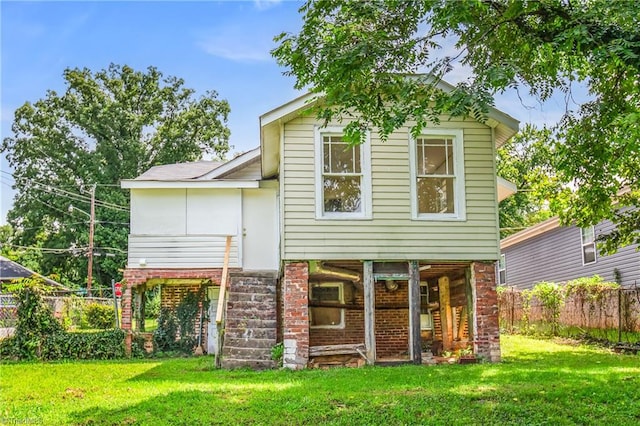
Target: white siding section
<point>158,211</point>
<point>181,251</point>
<point>260,232</point>
<point>213,211</point>
<point>391,233</point>
<point>251,172</point>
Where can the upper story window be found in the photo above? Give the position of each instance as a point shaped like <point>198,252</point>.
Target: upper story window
<point>343,178</point>
<point>437,169</point>
<point>588,236</point>
<point>502,270</point>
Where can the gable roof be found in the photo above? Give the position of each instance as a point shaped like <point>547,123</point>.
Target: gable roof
<point>10,270</point>
<point>198,174</point>
<point>503,124</point>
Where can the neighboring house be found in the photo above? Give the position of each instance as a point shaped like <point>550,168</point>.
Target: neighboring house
<point>554,253</point>
<point>11,271</point>
<point>383,251</point>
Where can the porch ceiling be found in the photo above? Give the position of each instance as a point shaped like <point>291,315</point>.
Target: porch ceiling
<point>435,270</point>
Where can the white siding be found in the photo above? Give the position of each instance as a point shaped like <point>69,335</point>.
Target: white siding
<point>213,211</point>
<point>181,251</point>
<point>260,232</point>
<point>391,233</point>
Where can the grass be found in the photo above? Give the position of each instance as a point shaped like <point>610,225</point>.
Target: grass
<point>539,382</point>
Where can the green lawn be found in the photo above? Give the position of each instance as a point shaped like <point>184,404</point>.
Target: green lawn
<point>539,382</point>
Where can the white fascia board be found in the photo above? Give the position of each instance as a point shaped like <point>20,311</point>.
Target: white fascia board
<point>531,232</point>
<point>290,107</point>
<point>156,184</point>
<point>233,165</point>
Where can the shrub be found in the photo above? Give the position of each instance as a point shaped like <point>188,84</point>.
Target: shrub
<point>100,316</point>
<point>72,313</point>
<point>35,321</point>
<point>551,296</point>
<point>70,346</point>
<point>152,304</point>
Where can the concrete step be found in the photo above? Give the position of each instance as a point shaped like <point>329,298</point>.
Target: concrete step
<point>256,364</point>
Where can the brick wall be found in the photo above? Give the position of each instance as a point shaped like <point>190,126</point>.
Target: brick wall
<point>172,295</point>
<point>486,328</point>
<point>392,325</point>
<point>296,315</point>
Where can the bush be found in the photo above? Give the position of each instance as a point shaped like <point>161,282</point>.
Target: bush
<point>100,316</point>
<point>152,304</point>
<point>70,346</point>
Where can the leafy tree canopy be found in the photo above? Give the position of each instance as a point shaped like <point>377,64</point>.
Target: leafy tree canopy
<point>357,55</point>
<point>107,125</point>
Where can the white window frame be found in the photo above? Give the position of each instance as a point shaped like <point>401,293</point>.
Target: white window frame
<point>340,286</point>
<point>502,267</point>
<point>593,243</point>
<point>365,186</point>
<point>459,187</point>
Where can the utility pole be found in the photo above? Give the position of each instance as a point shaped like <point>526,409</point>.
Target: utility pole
<point>91,224</point>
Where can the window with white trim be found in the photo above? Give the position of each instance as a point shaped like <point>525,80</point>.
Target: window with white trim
<point>343,176</point>
<point>326,316</point>
<point>588,237</point>
<point>502,270</point>
<point>437,181</point>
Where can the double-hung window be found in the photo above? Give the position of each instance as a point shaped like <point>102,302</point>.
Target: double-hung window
<point>588,245</point>
<point>343,179</point>
<point>437,181</point>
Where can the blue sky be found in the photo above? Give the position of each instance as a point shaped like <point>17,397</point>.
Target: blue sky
<point>222,46</point>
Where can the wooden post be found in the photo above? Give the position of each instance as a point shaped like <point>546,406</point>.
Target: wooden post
<point>415,341</point>
<point>469,293</point>
<point>369,313</point>
<point>463,321</point>
<point>445,313</point>
<point>221,301</point>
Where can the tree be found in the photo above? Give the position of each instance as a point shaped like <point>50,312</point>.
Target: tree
<point>109,125</point>
<point>526,161</point>
<point>357,57</point>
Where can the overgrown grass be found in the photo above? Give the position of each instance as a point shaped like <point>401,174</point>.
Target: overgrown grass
<point>539,382</point>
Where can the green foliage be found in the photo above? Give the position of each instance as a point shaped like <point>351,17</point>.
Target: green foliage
<point>73,313</point>
<point>35,321</point>
<point>105,126</point>
<point>152,303</point>
<point>100,316</point>
<point>526,161</point>
<point>96,345</point>
<point>357,57</point>
<point>164,336</point>
<point>277,353</point>
<point>592,289</point>
<point>551,296</point>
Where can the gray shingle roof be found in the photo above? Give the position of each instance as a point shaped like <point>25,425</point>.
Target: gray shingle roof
<point>180,171</point>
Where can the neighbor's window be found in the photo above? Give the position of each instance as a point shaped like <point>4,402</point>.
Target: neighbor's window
<point>343,181</point>
<point>438,176</point>
<point>588,245</point>
<point>502,270</point>
<point>326,316</point>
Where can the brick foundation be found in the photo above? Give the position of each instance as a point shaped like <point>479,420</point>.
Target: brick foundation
<point>296,315</point>
<point>485,301</point>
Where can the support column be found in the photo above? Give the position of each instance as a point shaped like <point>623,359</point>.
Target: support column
<point>486,329</point>
<point>296,315</point>
<point>415,340</point>
<point>126,316</point>
<point>446,319</point>
<point>369,313</point>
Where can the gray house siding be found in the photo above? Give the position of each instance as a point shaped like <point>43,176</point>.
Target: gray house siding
<point>556,256</point>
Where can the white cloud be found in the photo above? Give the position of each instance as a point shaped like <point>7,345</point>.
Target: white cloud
<point>238,44</point>
<point>265,4</point>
